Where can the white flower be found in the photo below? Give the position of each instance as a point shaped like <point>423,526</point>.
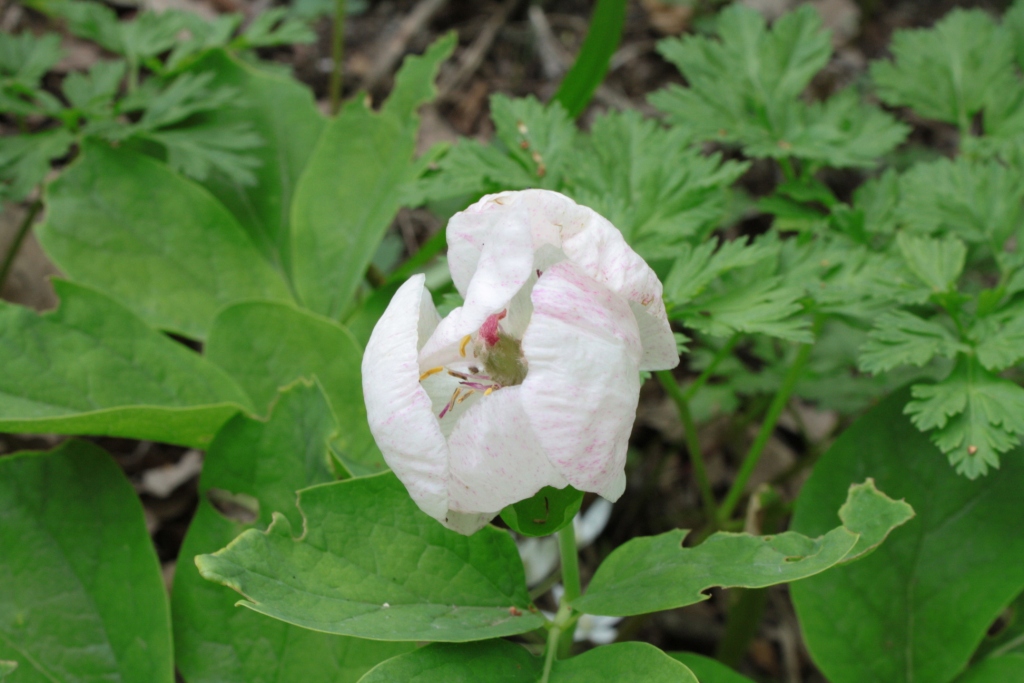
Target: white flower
<point>534,381</point>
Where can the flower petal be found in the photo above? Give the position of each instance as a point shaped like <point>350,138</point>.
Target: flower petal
<point>559,228</point>
<point>495,458</point>
<point>397,407</point>
<point>581,391</point>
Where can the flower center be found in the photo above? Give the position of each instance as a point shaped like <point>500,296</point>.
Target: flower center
<point>500,354</point>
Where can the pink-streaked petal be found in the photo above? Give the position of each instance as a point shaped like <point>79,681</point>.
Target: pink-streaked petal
<point>495,458</point>
<point>580,394</point>
<point>561,229</point>
<point>466,523</point>
<point>398,409</point>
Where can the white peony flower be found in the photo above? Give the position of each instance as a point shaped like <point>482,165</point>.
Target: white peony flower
<point>534,381</point>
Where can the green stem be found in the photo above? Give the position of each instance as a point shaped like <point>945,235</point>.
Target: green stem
<point>787,168</point>
<point>562,619</point>
<point>700,469</point>
<point>23,230</point>
<point>703,378</point>
<point>756,450</point>
<point>570,563</point>
<point>337,55</point>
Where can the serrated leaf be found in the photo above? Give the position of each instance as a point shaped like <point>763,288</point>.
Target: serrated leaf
<point>948,72</point>
<point>25,161</point>
<point>746,89</point>
<point>161,245</point>
<point>25,58</point>
<point>82,598</point>
<point>499,661</point>
<point>655,573</point>
<point>90,20</point>
<point>199,151</point>
<point>696,267</point>
<point>351,187</point>
<point>372,565</point>
<point>96,88</point>
<point>750,305</point>
<point>649,182</point>
<point>265,346</point>
<point>91,367</point>
<point>978,201</point>
<point>975,414</point>
<point>937,263</point>
<point>267,461</point>
<point>902,338</point>
<point>916,609</point>
<point>1001,342</point>
<point>274,27</point>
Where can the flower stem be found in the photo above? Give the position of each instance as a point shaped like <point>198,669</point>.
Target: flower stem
<point>570,563</point>
<point>753,455</point>
<point>337,55</point>
<point>700,469</point>
<point>19,238</point>
<point>562,620</point>
<point>703,378</point>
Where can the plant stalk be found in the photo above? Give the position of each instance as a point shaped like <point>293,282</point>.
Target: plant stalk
<point>562,620</point>
<point>337,55</point>
<point>704,376</point>
<point>19,238</point>
<point>571,583</point>
<point>771,418</point>
<point>700,469</point>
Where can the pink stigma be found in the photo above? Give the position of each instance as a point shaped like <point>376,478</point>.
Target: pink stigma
<point>489,330</point>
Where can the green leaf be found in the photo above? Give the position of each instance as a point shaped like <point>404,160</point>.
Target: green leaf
<point>25,161</point>
<point>916,609</point>
<point>546,512</point>
<point>591,65</point>
<point>948,72</point>
<point>901,338</point>
<point>975,414</point>
<point>161,245</point>
<point>351,187</point>
<point>1009,639</point>
<point>96,88</point>
<point>978,201</point>
<point>1000,339</point>
<point>266,462</point>
<point>499,661</point>
<point>649,182</point>
<point>936,263</point>
<point>653,573</point>
<point>25,58</point>
<point>265,346</point>
<point>91,367</point>
<point>746,89</point>
<point>83,599</point>
<point>283,114</point>
<point>708,670</point>
<point>372,565</point>
<point>1005,669</point>
<point>7,668</point>
<point>697,267</point>
<point>274,27</point>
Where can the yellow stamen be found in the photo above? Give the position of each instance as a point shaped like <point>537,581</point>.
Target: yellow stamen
<point>431,371</point>
<point>463,344</point>
<point>465,396</point>
<point>489,390</point>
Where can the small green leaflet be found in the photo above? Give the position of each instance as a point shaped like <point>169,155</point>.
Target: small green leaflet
<point>902,338</point>
<point>655,573</point>
<point>746,89</point>
<point>936,263</point>
<point>1000,338</point>
<point>949,72</point>
<point>25,161</point>
<point>975,415</point>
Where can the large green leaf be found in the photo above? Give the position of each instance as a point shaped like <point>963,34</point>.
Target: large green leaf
<point>127,225</point>
<point>371,564</point>
<point>708,670</point>
<point>282,112</point>
<point>918,607</point>
<point>266,461</point>
<point>1005,669</point>
<point>352,186</point>
<point>654,573</point>
<point>499,661</point>
<point>91,367</point>
<point>82,598</point>
<point>265,346</point>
